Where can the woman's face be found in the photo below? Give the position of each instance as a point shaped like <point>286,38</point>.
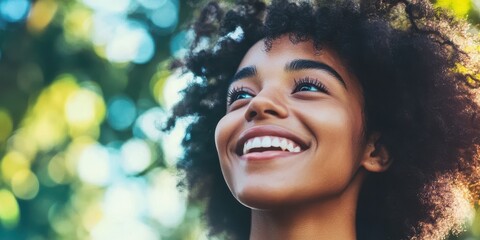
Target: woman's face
<point>293,131</point>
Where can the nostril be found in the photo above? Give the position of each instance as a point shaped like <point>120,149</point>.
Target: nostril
<point>271,112</point>
<point>252,114</point>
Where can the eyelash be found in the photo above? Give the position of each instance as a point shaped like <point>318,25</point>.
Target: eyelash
<point>234,93</point>
<point>306,81</point>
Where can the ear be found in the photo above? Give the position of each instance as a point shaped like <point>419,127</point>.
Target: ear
<point>375,156</point>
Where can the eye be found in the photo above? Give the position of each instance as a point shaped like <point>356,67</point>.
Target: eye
<point>237,93</point>
<point>308,84</point>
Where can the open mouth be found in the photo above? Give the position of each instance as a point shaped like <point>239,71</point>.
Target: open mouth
<point>269,139</point>
<point>270,143</point>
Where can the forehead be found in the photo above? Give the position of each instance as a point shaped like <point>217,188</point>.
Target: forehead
<point>281,49</point>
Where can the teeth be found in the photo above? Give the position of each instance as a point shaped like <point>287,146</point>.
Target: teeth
<point>249,145</point>
<point>269,141</point>
<point>283,144</point>
<point>256,143</point>
<point>266,142</point>
<point>296,149</point>
<point>275,142</point>
<point>290,147</point>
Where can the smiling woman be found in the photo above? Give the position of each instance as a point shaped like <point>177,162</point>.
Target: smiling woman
<point>297,143</point>
<point>333,120</point>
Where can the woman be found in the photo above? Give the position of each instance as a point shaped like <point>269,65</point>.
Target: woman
<point>332,120</point>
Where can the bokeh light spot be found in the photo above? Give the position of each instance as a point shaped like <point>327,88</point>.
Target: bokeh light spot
<point>47,129</point>
<point>6,125</point>
<point>152,4</point>
<point>130,42</point>
<point>165,202</point>
<point>114,6</point>
<point>179,44</point>
<point>14,10</point>
<point>459,7</point>
<point>84,109</point>
<point>78,24</point>
<point>476,224</point>
<point>57,170</point>
<point>124,200</point>
<point>166,17</point>
<point>25,184</point>
<point>74,152</point>
<point>57,94</point>
<point>149,124</point>
<point>136,155</point>
<point>476,5</point>
<point>124,229</point>
<point>121,112</point>
<point>12,163</point>
<point>21,141</point>
<point>92,216</point>
<point>157,83</point>
<point>41,15</point>
<point>171,143</point>
<point>9,209</point>
<point>146,48</point>
<point>80,108</point>
<point>104,27</point>
<point>175,83</point>
<point>94,165</point>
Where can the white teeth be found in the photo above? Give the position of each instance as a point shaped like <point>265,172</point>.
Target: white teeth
<point>290,147</point>
<point>275,142</point>
<point>266,142</point>
<point>283,144</point>
<point>296,149</point>
<point>249,145</point>
<point>246,146</point>
<point>269,141</point>
<point>256,143</point>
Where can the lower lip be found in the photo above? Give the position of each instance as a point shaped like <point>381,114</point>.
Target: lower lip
<point>267,155</point>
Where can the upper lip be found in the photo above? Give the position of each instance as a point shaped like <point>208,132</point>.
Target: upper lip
<point>267,130</point>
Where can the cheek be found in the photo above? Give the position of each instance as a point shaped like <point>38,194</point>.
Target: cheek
<point>337,135</point>
<point>330,122</point>
<point>341,120</point>
<point>224,131</point>
<point>220,134</point>
<point>224,134</point>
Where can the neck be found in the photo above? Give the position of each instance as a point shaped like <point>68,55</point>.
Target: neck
<point>332,218</point>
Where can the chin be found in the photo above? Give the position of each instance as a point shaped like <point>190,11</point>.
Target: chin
<point>259,201</point>
<point>265,198</point>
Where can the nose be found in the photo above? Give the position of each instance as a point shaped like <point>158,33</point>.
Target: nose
<point>265,105</point>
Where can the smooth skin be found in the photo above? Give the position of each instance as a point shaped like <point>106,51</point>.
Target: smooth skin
<point>311,194</point>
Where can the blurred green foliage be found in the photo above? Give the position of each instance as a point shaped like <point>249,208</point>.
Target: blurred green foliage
<point>84,85</point>
<point>81,96</point>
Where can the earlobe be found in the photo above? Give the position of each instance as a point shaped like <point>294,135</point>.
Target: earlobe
<point>376,157</point>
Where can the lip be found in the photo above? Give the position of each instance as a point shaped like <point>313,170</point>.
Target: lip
<point>258,156</point>
<point>267,130</point>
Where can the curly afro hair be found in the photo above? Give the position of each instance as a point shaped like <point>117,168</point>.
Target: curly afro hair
<point>418,67</point>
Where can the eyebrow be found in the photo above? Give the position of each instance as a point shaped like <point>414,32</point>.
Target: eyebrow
<point>245,72</point>
<point>302,64</point>
<point>295,65</point>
